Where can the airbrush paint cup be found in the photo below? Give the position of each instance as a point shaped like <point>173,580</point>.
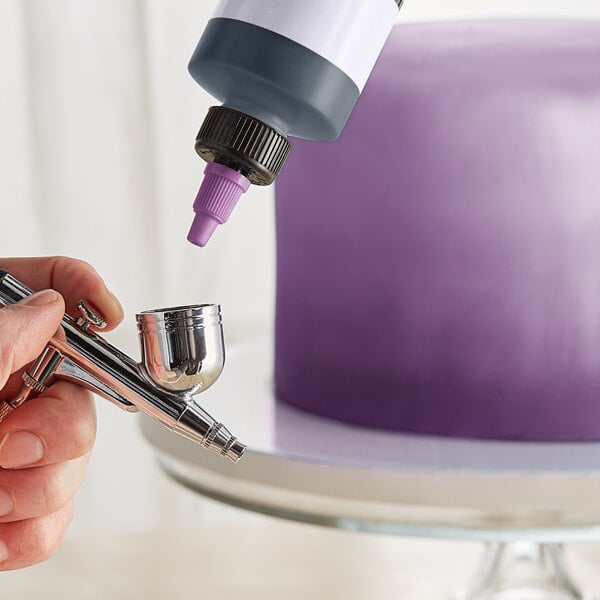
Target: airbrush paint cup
<point>182,348</point>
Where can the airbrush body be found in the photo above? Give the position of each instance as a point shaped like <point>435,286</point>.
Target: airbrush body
<point>182,355</point>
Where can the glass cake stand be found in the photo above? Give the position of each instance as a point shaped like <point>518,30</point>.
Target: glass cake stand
<point>522,500</point>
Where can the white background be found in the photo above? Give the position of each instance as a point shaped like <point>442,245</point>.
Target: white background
<point>98,117</point>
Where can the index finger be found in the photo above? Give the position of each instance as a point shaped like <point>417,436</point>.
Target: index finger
<point>74,279</point>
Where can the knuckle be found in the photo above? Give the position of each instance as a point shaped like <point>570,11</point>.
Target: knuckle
<point>84,432</point>
<point>56,492</point>
<point>68,264</point>
<point>43,491</point>
<point>50,531</point>
<point>65,266</point>
<point>70,416</point>
<point>35,540</point>
<point>46,540</point>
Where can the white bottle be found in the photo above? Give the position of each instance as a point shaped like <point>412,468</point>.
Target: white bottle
<point>280,68</point>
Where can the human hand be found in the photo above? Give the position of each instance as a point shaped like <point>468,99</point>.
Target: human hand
<point>45,444</point>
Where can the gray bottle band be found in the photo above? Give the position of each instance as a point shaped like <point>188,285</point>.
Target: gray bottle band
<point>284,84</point>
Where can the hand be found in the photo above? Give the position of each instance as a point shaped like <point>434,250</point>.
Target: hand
<point>45,444</point>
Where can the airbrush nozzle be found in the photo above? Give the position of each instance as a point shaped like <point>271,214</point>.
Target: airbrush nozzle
<point>215,436</point>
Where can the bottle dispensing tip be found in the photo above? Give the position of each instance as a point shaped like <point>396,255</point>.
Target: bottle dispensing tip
<point>220,191</point>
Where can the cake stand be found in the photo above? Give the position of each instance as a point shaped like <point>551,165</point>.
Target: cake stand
<point>523,500</point>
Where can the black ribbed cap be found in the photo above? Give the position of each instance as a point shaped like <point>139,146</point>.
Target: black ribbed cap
<point>242,143</point>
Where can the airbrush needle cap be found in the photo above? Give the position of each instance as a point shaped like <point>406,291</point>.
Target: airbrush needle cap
<point>220,191</point>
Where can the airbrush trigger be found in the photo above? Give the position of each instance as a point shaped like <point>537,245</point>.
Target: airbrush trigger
<point>89,317</point>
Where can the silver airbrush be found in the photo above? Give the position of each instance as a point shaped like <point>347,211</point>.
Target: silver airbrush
<point>182,354</point>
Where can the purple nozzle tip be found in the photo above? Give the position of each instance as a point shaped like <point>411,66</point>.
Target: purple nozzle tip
<point>220,191</point>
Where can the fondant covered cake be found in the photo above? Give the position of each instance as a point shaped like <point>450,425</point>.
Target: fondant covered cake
<point>438,267</point>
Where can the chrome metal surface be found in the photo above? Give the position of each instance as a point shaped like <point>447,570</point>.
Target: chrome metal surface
<point>182,348</point>
<point>30,382</point>
<point>5,410</point>
<point>184,344</point>
<point>90,317</point>
<point>41,373</point>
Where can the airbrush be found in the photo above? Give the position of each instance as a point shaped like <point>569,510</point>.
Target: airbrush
<point>182,355</point>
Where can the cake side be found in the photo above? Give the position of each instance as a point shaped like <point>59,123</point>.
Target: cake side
<point>438,266</point>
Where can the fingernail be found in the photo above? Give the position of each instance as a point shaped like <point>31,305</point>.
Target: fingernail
<point>7,504</point>
<point>40,298</point>
<point>21,449</point>
<point>3,551</point>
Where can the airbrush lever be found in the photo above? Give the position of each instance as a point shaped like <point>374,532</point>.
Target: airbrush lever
<point>182,355</point>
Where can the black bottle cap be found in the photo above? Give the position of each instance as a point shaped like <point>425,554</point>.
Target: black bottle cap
<point>242,143</point>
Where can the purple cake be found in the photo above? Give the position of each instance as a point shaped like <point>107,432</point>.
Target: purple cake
<point>438,267</point>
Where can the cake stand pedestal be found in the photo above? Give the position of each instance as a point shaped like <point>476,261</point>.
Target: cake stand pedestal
<point>523,500</point>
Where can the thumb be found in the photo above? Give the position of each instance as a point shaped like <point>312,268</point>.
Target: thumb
<point>25,329</point>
